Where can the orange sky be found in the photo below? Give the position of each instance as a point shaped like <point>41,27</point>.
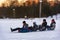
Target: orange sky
<point>20,2</point>
<point>8,2</point>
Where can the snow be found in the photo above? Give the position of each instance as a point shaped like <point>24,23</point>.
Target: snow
<point>6,34</point>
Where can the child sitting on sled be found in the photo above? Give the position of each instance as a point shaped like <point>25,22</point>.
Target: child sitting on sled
<point>23,29</point>
<point>43,26</point>
<point>52,25</point>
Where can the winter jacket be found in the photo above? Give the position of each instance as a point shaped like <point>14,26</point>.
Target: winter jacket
<point>35,25</point>
<point>25,26</point>
<point>53,24</point>
<point>44,24</point>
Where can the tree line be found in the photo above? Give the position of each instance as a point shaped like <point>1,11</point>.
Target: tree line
<point>30,10</point>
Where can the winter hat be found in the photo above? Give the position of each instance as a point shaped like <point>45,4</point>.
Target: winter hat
<point>24,21</point>
<point>53,20</point>
<point>44,19</point>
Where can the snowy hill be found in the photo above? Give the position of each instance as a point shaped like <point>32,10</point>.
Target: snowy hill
<point>6,34</point>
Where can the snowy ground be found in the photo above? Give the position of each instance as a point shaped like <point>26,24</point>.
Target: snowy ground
<point>6,34</point>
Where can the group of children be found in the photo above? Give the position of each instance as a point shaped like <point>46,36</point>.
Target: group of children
<point>44,25</point>
<point>36,27</point>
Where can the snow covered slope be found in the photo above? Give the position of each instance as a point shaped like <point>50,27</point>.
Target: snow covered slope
<point>6,34</point>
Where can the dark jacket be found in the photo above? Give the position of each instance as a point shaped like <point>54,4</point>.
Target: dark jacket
<point>35,25</point>
<point>44,24</point>
<point>53,24</point>
<point>25,26</point>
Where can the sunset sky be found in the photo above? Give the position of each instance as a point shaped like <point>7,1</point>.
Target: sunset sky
<point>18,2</point>
<point>8,2</point>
